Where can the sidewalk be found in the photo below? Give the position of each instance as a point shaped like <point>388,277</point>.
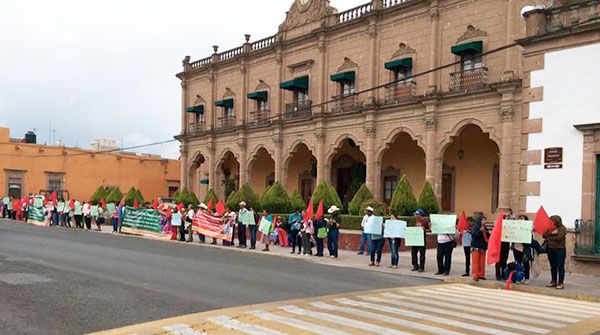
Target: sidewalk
<point>576,286</point>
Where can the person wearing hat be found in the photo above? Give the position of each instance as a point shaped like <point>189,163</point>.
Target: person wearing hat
<point>334,224</point>
<point>418,253</point>
<point>204,208</point>
<point>189,219</point>
<point>365,239</point>
<point>295,222</point>
<point>240,225</point>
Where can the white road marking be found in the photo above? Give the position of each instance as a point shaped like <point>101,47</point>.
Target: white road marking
<point>297,323</point>
<point>227,322</point>
<point>343,321</point>
<point>406,312</point>
<point>23,278</point>
<point>182,329</point>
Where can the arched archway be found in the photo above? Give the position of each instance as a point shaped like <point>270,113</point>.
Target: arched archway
<point>228,175</point>
<point>470,172</point>
<point>198,176</point>
<point>301,168</point>
<point>348,169</point>
<point>402,156</point>
<point>261,171</point>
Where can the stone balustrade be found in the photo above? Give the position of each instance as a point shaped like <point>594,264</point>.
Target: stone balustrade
<point>354,13</point>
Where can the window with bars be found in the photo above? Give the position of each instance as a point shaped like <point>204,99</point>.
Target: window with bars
<point>55,181</point>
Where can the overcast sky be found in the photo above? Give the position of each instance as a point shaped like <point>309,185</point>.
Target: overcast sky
<point>106,68</point>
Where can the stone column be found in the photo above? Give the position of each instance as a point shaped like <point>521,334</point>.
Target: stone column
<point>211,111</point>
<point>243,103</point>
<point>433,168</point>
<point>243,160</point>
<point>434,56</point>
<point>184,105</point>
<point>373,179</point>
<point>509,55</point>
<point>212,162</point>
<point>506,114</point>
<point>277,140</point>
<point>183,161</point>
<point>323,168</point>
<point>277,108</point>
<point>373,63</point>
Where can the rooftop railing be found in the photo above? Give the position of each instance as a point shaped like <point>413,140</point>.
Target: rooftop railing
<point>264,43</point>
<point>392,3</point>
<point>354,13</point>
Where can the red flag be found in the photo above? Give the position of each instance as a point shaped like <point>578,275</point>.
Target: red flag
<point>542,223</point>
<point>319,213</point>
<point>103,203</point>
<point>25,199</point>
<point>210,205</point>
<point>180,206</point>
<point>72,204</point>
<point>495,241</point>
<point>122,203</point>
<point>53,196</point>
<point>45,201</point>
<point>168,212</point>
<point>462,223</point>
<point>220,208</point>
<point>308,214</point>
<point>509,281</point>
<point>136,203</point>
<point>155,204</point>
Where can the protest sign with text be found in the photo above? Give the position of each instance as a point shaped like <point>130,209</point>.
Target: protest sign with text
<point>443,224</point>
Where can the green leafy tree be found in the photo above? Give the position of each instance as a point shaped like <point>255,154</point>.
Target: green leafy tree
<point>230,202</point>
<point>380,208</point>
<point>276,200</point>
<point>98,195</point>
<point>192,199</point>
<point>297,202</point>
<point>211,195</point>
<point>131,196</point>
<point>245,194</point>
<point>185,197</point>
<point>403,201</point>
<point>427,200</point>
<point>362,195</point>
<point>114,195</point>
<point>139,196</point>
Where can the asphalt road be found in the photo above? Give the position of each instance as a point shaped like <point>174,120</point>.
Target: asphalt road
<point>65,281</point>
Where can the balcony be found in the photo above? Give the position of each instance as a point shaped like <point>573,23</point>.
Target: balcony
<point>196,128</point>
<point>344,103</point>
<point>259,118</point>
<point>298,110</point>
<point>224,123</point>
<point>399,92</point>
<point>469,79</point>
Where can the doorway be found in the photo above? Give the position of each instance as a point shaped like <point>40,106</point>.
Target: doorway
<point>448,182</point>
<point>597,222</point>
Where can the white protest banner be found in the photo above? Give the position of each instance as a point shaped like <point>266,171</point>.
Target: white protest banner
<point>443,224</point>
<point>517,231</point>
<point>265,226</point>
<point>374,225</point>
<point>394,229</point>
<point>414,237</point>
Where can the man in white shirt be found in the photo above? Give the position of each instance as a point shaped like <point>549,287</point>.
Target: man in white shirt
<point>188,223</point>
<point>364,238</point>
<point>445,246</point>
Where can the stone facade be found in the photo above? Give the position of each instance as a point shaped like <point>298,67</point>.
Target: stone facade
<point>460,128</point>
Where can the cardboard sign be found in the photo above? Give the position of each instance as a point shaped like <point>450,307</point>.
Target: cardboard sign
<point>38,201</point>
<point>176,219</point>
<point>374,225</point>
<point>394,229</point>
<point>94,211</point>
<point>60,207</point>
<point>111,208</point>
<point>414,237</point>
<point>517,231</point>
<point>247,218</point>
<point>78,208</point>
<point>265,226</point>
<point>443,224</point>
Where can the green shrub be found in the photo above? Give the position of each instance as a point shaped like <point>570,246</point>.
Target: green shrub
<point>132,195</point>
<point>211,195</point>
<point>139,196</point>
<point>185,197</point>
<point>114,195</point>
<point>336,198</point>
<point>230,202</point>
<point>327,194</point>
<point>427,200</point>
<point>297,202</point>
<point>100,193</point>
<point>362,195</point>
<point>192,199</point>
<point>403,201</point>
<point>276,199</point>
<point>380,208</point>
<point>245,194</point>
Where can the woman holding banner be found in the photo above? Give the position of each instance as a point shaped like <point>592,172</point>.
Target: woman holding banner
<point>394,244</point>
<point>266,228</point>
<point>556,240</point>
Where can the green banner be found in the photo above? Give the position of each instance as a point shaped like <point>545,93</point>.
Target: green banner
<point>517,231</point>
<point>138,218</point>
<point>36,213</point>
<point>443,224</point>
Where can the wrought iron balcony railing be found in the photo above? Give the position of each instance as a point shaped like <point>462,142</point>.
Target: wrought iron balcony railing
<point>225,123</point>
<point>586,243</point>
<point>469,79</point>
<point>345,103</point>
<point>398,92</point>
<point>196,128</point>
<point>298,110</point>
<point>259,118</point>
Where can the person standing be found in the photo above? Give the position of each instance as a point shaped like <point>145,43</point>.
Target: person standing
<point>176,223</point>
<point>523,254</point>
<point>78,215</point>
<point>364,238</point>
<point>295,222</point>
<point>241,226</point>
<point>87,215</point>
<point>466,244</point>
<point>394,245</point>
<point>100,219</point>
<point>375,245</point>
<point>189,219</point>
<point>266,237</point>
<point>114,219</point>
<point>253,228</point>
<point>307,232</point>
<point>319,226</point>
<point>418,253</point>
<point>557,254</point>
<point>445,246</point>
<point>479,241</point>
<point>333,233</point>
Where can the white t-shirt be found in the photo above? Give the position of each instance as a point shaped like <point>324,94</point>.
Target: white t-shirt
<point>191,214</point>
<point>364,221</point>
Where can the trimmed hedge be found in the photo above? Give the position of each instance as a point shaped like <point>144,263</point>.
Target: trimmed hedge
<point>276,199</point>
<point>185,197</point>
<point>403,201</point>
<point>427,200</point>
<point>211,195</point>
<point>379,207</point>
<point>100,193</point>
<point>362,195</point>
<point>132,195</point>
<point>114,195</point>
<point>327,194</point>
<point>230,202</point>
<point>245,194</point>
<point>297,202</point>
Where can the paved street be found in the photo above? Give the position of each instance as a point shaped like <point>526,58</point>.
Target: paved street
<point>60,281</point>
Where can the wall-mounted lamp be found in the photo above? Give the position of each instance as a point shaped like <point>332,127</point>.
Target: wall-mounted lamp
<point>460,153</point>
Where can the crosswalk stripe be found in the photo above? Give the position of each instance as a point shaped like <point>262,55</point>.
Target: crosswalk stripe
<point>589,306</point>
<point>343,321</point>
<point>414,296</point>
<point>474,317</point>
<point>227,322</point>
<point>182,329</point>
<point>559,309</point>
<point>513,306</point>
<point>405,312</point>
<point>311,327</point>
<point>384,318</point>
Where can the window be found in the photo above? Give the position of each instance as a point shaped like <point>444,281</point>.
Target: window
<point>300,97</point>
<point>55,181</point>
<point>14,184</point>
<point>229,112</point>
<point>346,88</point>
<point>199,118</point>
<point>262,105</point>
<point>470,61</point>
<point>400,75</point>
<point>172,191</point>
<point>389,186</point>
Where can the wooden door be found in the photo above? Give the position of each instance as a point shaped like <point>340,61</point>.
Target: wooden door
<point>597,223</point>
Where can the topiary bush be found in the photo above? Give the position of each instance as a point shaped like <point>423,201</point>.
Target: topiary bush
<point>114,195</point>
<point>192,199</point>
<point>427,200</point>
<point>327,194</point>
<point>132,195</point>
<point>362,195</point>
<point>230,202</point>
<point>276,199</point>
<point>380,208</point>
<point>100,193</point>
<point>211,195</point>
<point>403,201</point>
<point>139,196</point>
<point>336,198</point>
<point>245,194</point>
<point>185,197</point>
<point>297,202</point>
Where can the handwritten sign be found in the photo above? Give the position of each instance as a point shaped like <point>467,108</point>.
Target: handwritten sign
<point>443,224</point>
<point>265,226</point>
<point>78,208</point>
<point>94,211</point>
<point>394,229</point>
<point>517,231</point>
<point>38,201</point>
<point>374,225</point>
<point>176,219</point>
<point>60,207</point>
<point>111,208</point>
<point>247,218</point>
<point>414,237</point>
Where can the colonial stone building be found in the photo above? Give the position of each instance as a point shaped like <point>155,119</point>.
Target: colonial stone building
<point>422,88</point>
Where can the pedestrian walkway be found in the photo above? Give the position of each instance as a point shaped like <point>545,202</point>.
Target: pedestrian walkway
<point>443,309</point>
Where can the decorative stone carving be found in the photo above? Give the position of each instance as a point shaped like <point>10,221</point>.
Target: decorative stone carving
<point>301,66</point>
<point>507,114</point>
<point>430,123</point>
<point>403,50</point>
<point>434,14</point>
<point>241,142</point>
<point>277,140</point>
<point>262,86</point>
<point>370,129</point>
<point>348,64</point>
<point>199,100</point>
<point>320,135</point>
<point>303,12</point>
<point>228,93</point>
<point>186,60</point>
<point>471,32</point>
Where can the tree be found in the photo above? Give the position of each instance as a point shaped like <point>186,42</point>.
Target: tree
<point>276,200</point>
<point>230,202</point>
<point>131,196</point>
<point>380,208</point>
<point>297,202</point>
<point>100,193</point>
<point>362,195</point>
<point>327,194</point>
<point>336,197</point>
<point>403,201</point>
<point>245,194</point>
<point>114,195</point>
<point>193,199</point>
<point>185,197</point>
<point>427,200</point>
<point>211,195</point>
<point>139,196</point>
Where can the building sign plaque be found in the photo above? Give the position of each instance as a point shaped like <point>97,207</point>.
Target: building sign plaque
<point>553,158</point>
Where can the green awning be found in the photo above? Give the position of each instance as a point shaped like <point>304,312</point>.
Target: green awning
<point>224,103</point>
<point>471,47</point>
<point>300,83</point>
<point>343,76</point>
<point>399,63</point>
<point>196,109</point>
<point>262,95</point>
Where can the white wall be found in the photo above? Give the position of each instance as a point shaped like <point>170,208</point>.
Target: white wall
<point>571,81</point>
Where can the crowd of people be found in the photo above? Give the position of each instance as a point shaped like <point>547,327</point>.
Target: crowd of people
<point>305,234</point>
